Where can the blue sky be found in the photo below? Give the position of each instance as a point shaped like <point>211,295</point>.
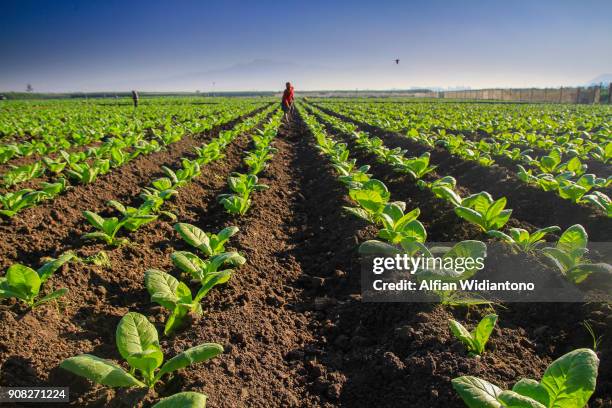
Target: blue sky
<point>232,45</point>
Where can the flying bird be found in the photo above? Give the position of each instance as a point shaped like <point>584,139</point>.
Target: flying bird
<point>396,61</point>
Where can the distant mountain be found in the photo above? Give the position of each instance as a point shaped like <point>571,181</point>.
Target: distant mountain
<point>603,78</point>
<point>258,74</point>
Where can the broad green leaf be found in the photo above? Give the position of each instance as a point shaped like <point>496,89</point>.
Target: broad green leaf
<point>580,272</point>
<point>479,202</point>
<point>496,208</point>
<point>187,399</point>
<point>476,392</point>
<point>100,371</point>
<point>194,236</point>
<point>193,355</point>
<point>570,380</point>
<point>147,360</point>
<point>461,333</point>
<point>511,399</point>
<point>575,237</point>
<point>483,331</point>
<point>373,247</point>
<point>532,389</point>
<point>94,219</point>
<point>162,286</point>
<point>188,262</point>
<point>135,334</point>
<point>471,216</point>
<point>216,278</point>
<point>24,280</point>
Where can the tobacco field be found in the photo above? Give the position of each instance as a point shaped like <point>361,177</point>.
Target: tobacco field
<point>200,251</point>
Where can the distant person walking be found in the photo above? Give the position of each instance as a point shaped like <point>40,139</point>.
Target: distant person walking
<point>135,98</point>
<point>287,102</point>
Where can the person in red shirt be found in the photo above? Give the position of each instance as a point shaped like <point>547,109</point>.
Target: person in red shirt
<point>287,102</point>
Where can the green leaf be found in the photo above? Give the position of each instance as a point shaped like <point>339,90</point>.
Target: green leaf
<point>148,360</point>
<point>50,267</point>
<point>500,235</point>
<point>461,333</point>
<point>213,279</point>
<point>511,399</point>
<point>476,392</point>
<point>193,355</point>
<point>479,202</point>
<point>495,209</point>
<point>471,216</point>
<point>187,399</point>
<point>374,247</point>
<point>23,280</point>
<point>532,389</point>
<point>189,263</point>
<point>100,371</point>
<point>483,331</point>
<point>94,219</point>
<point>570,380</point>
<point>194,236</point>
<point>54,295</point>
<point>575,237</point>
<point>468,249</point>
<point>580,272</point>
<point>162,288</point>
<point>135,334</point>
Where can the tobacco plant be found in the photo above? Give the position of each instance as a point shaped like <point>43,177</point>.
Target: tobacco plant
<point>208,243</point>
<point>476,340</point>
<point>207,270</point>
<point>568,255</point>
<point>107,228</point>
<point>138,344</point>
<point>568,382</point>
<point>480,209</point>
<point>14,202</point>
<point>522,239</point>
<point>24,283</point>
<point>175,296</point>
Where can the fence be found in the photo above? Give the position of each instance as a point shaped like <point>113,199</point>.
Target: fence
<point>590,94</point>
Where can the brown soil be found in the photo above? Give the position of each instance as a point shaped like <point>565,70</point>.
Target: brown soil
<point>294,329</point>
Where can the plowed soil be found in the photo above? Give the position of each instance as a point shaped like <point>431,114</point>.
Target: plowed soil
<point>294,328</point>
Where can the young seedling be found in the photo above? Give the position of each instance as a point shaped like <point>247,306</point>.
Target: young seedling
<point>24,283</point>
<point>133,218</point>
<point>175,296</point>
<point>203,271</point>
<point>14,202</point>
<point>235,204</point>
<point>475,341</point>
<point>480,209</point>
<point>568,255</point>
<point>210,244</point>
<point>107,228</point>
<point>568,382</point>
<point>372,197</point>
<point>138,344</point>
<point>398,227</point>
<point>600,200</point>
<point>54,166</point>
<point>522,238</point>
<point>416,167</point>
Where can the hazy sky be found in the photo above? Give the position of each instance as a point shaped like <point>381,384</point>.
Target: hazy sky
<point>188,45</point>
